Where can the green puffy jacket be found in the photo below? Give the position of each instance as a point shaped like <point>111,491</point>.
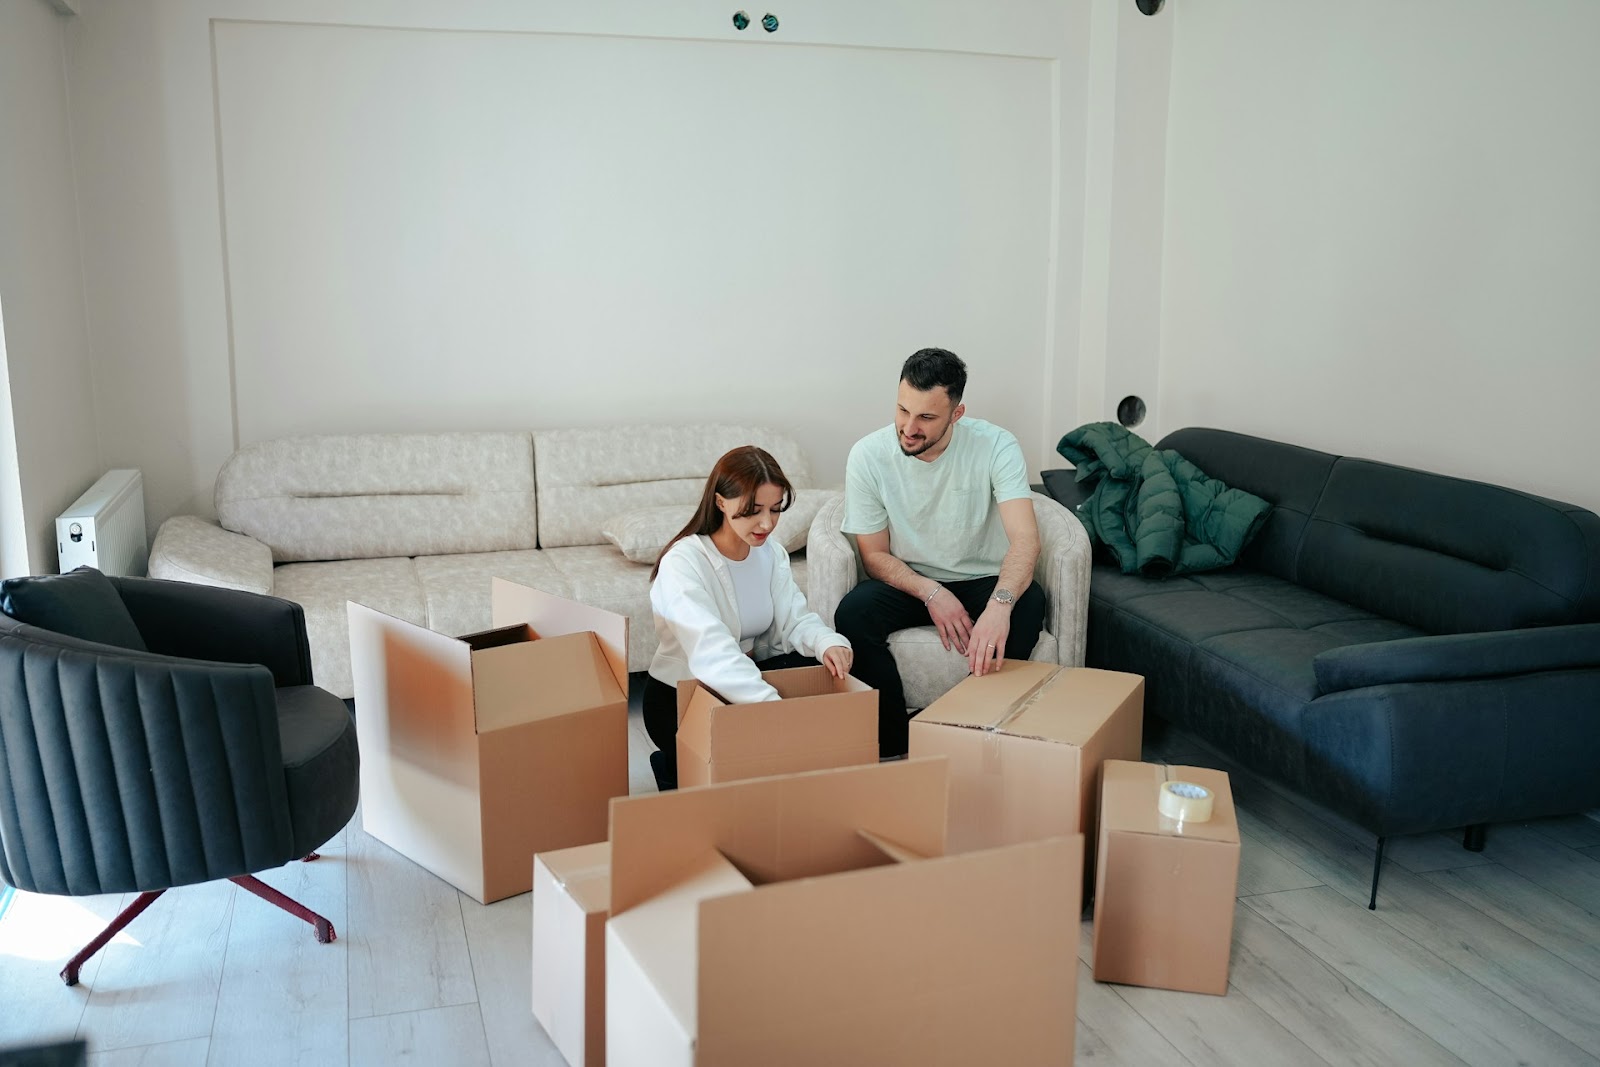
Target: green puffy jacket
<point>1158,513</point>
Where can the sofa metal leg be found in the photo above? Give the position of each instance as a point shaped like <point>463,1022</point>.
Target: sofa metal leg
<point>1377,866</point>
<point>323,927</point>
<point>1474,837</point>
<point>69,973</point>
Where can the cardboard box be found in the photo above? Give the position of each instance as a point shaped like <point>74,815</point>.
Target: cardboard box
<point>571,898</point>
<point>1025,745</point>
<point>821,722</point>
<point>1166,891</point>
<point>810,919</point>
<point>478,751</point>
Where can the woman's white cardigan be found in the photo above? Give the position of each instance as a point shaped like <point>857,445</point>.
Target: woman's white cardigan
<point>697,616</point>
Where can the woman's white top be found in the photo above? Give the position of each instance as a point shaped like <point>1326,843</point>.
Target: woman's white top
<point>752,592</point>
<point>697,616</point>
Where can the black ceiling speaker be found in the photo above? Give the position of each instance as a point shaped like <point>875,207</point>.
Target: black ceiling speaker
<point>1149,7</point>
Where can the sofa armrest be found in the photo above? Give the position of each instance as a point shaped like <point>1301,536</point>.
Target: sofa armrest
<point>1065,559</point>
<point>1459,657</point>
<point>832,566</point>
<point>190,549</point>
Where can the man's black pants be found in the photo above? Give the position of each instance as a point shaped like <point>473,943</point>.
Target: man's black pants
<point>873,610</point>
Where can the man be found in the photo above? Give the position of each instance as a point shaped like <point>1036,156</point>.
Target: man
<point>941,511</point>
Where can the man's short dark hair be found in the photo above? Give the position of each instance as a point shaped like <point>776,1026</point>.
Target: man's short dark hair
<point>929,367</point>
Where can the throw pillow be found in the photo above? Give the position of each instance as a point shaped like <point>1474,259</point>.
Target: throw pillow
<point>81,603</point>
<point>794,525</point>
<point>641,534</point>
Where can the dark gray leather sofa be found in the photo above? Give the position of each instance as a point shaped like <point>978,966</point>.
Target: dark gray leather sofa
<point>1415,651</point>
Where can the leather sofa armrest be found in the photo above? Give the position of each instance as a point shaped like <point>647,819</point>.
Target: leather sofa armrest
<point>1459,657</point>
<point>190,549</point>
<point>220,626</point>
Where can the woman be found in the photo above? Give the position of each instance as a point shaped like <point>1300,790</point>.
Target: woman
<point>726,606</point>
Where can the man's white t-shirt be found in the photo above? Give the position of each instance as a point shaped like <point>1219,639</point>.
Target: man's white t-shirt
<point>943,516</point>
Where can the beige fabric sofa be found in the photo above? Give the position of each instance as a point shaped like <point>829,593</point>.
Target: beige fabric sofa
<point>417,524</point>
<point>927,669</point>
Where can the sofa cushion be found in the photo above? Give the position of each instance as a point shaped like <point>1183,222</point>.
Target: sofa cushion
<point>587,476</point>
<point>322,589</point>
<point>456,589</point>
<point>1228,654</point>
<point>1448,555</point>
<point>1289,476</point>
<point>641,534</point>
<point>81,603</point>
<point>364,496</point>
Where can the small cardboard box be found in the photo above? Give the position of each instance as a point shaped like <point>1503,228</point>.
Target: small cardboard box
<point>1164,902</point>
<point>478,751</point>
<point>810,919</point>
<point>1025,746</point>
<point>821,722</point>
<point>571,896</point>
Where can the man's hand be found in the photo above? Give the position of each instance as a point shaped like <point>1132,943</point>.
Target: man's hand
<point>837,659</point>
<point>955,625</point>
<point>987,649</point>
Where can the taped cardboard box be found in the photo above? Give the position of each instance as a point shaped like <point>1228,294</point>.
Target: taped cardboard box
<point>1166,889</point>
<point>810,919</point>
<point>1025,745</point>
<point>478,751</point>
<point>571,897</point>
<point>821,722</point>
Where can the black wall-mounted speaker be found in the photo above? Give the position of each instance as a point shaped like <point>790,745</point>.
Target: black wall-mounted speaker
<point>1149,7</point>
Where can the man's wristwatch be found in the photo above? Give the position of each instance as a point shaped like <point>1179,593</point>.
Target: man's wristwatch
<point>1004,596</point>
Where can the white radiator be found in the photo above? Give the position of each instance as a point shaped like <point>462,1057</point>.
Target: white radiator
<point>104,527</point>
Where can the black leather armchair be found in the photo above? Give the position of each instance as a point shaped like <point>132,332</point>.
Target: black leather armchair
<point>208,756</point>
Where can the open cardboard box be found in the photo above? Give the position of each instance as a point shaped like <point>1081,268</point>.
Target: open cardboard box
<point>810,919</point>
<point>822,721</point>
<point>1163,910</point>
<point>571,896</point>
<point>478,751</point>
<point>1025,745</point>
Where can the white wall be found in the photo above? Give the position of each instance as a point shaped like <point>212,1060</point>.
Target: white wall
<point>50,419</point>
<point>1381,232</point>
<point>320,216</point>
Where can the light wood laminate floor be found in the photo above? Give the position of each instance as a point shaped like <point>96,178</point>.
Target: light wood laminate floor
<point>1478,958</point>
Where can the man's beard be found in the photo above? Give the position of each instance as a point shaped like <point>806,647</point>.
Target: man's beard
<point>927,443</point>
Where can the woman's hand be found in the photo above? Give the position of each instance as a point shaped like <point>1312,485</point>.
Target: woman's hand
<point>837,659</point>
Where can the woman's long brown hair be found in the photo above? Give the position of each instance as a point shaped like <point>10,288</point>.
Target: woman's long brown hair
<point>737,474</point>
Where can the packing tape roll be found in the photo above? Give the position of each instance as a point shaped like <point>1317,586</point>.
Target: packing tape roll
<point>1185,801</point>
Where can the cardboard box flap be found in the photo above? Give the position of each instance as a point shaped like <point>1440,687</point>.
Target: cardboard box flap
<point>416,692</point>
<point>533,679</point>
<point>692,692</point>
<point>1070,707</point>
<point>584,872</point>
<point>554,616</point>
<point>661,934</point>
<point>957,959</point>
<point>1131,793</point>
<point>895,852</point>
<point>775,829</point>
<point>794,682</point>
<point>990,705</point>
